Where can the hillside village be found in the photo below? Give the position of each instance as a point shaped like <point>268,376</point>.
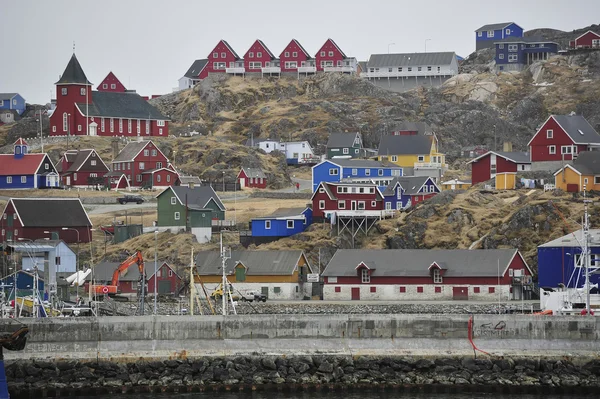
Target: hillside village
<point>327,166</point>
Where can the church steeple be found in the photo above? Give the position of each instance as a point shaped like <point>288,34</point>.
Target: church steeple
<point>73,74</point>
<point>20,148</point>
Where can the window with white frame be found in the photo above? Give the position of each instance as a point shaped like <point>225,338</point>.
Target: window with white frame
<point>513,58</point>
<point>138,178</point>
<point>79,128</point>
<point>508,31</point>
<point>290,224</point>
<point>339,189</point>
<point>421,158</point>
<point>596,179</point>
<point>158,178</point>
<point>142,165</point>
<point>419,69</point>
<point>549,134</point>
<point>551,149</point>
<point>585,180</point>
<point>128,125</point>
<point>429,68</point>
<point>139,126</point>
<point>112,125</point>
<point>341,204</point>
<point>173,200</point>
<point>287,54</point>
<point>321,204</point>
<point>291,65</point>
<point>215,55</point>
<point>93,174</point>
<point>295,54</point>
<point>146,152</point>
<point>322,54</point>
<point>113,86</point>
<point>346,151</point>
<point>409,69</point>
<point>258,54</point>
<point>177,215</point>
<point>501,46</point>
<point>333,172</point>
<point>354,172</point>
<point>23,179</point>
<point>372,190</point>
<point>373,204</point>
<point>65,122</point>
<point>148,127</point>
<point>82,91</point>
<point>365,276</point>
<point>93,162</point>
<point>566,149</point>
<point>168,178</point>
<point>513,47</point>
<point>379,172</point>
<point>255,65</point>
<point>479,34</point>
<point>251,54</point>
<point>437,276</point>
<point>331,53</point>
<point>361,205</point>
<point>500,56</point>
<point>490,33</point>
<point>105,86</point>
<point>158,165</point>
<point>64,91</point>
<point>223,55</point>
<point>160,123</point>
<point>219,65</point>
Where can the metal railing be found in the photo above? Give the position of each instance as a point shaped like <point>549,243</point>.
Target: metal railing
<point>235,70</point>
<point>307,69</point>
<point>429,165</point>
<point>339,69</point>
<point>271,70</point>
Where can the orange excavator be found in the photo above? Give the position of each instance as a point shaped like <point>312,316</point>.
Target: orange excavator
<point>126,264</point>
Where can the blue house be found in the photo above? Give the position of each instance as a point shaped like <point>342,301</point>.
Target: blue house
<point>22,170</point>
<point>336,170</point>
<point>284,222</point>
<point>12,101</point>
<point>516,53</point>
<point>560,261</point>
<point>404,192</point>
<point>488,34</point>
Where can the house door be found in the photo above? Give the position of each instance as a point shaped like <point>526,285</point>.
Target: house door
<point>93,129</point>
<point>353,205</point>
<point>164,286</point>
<point>356,294</point>
<point>265,291</point>
<point>453,187</point>
<point>460,293</point>
<point>68,181</point>
<point>242,182</point>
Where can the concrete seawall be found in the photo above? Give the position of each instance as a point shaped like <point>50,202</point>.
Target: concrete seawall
<point>398,335</point>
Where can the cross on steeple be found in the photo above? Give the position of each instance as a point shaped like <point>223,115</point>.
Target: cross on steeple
<point>73,46</point>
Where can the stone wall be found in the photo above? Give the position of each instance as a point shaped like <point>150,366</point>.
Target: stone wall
<point>304,373</point>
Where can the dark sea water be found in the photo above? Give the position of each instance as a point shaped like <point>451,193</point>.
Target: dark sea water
<point>332,395</point>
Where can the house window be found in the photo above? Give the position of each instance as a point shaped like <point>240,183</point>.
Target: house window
<point>158,178</point>
<point>64,91</point>
<point>552,149</point>
<point>501,46</point>
<point>596,179</point>
<point>438,290</point>
<point>54,129</point>
<point>367,172</point>
<point>346,150</point>
<point>419,69</point>
<point>429,68</point>
<point>139,126</point>
<point>290,224</point>
<point>365,277</point>
<point>490,33</point>
<point>173,200</point>
<point>566,149</point>
<point>170,273</point>
<point>337,289</point>
<point>491,290</point>
<point>112,125</point>
<point>215,55</point>
<point>120,125</point>
<point>105,86</point>
<point>500,56</point>
<point>333,172</point>
<point>82,91</point>
<point>361,205</point>
<point>373,204</point>
<point>549,133</point>
<point>287,54</point>
<point>513,47</point>
<point>258,54</point>
<point>223,55</point>
<point>476,290</point>
<point>148,127</point>
<point>160,123</point>
<point>321,204</point>
<point>421,158</point>
<point>267,224</point>
<point>402,290</point>
<point>479,34</point>
<point>128,125</point>
<point>160,131</point>
<point>251,54</point>
<point>23,179</point>
<point>65,122</point>
<point>341,204</point>
<point>79,128</point>
<point>146,153</point>
<point>373,289</point>
<point>168,178</point>
<point>508,31</point>
<point>93,162</point>
<point>158,165</point>
<point>437,276</point>
<point>585,181</point>
<point>142,166</point>
<point>420,290</point>
<point>394,158</point>
<point>46,166</point>
<point>177,215</point>
<point>331,53</point>
<point>113,86</point>
<point>16,232</point>
<point>380,172</point>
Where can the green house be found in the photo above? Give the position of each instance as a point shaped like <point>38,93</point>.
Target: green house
<point>346,145</point>
<point>190,209</point>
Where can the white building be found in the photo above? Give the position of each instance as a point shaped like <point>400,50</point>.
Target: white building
<point>191,77</point>
<point>405,71</point>
<point>296,152</point>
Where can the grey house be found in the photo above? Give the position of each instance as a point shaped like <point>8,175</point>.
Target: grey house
<point>345,145</point>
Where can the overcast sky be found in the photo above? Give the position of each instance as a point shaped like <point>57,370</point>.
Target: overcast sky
<point>149,44</point>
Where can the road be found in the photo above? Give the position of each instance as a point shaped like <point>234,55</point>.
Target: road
<point>106,208</point>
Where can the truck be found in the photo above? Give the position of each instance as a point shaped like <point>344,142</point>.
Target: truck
<point>218,293</point>
<point>251,296</point>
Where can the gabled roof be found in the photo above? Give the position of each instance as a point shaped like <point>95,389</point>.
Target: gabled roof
<point>416,262</point>
<point>50,212</point>
<point>20,141</point>
<point>77,158</point>
<point>341,139</point>
<point>299,46</point>
<point>104,270</point>
<point>578,128</point>
<point>132,149</point>
<point>7,96</point>
<point>574,239</point>
<point>495,26</point>
<point>404,145</point>
<point>516,157</point>
<point>126,105</point>
<point>282,213</point>
<point>197,196</point>
<point>410,184</point>
<point>419,127</point>
<point>196,68</point>
<point>589,31</point>
<point>254,172</point>
<point>336,46</point>
<point>410,59</point>
<point>457,181</point>
<point>266,48</point>
<point>237,57</point>
<point>257,263</point>
<point>587,163</point>
<point>73,74</point>
<point>152,171</point>
<point>28,164</point>
<point>184,180</point>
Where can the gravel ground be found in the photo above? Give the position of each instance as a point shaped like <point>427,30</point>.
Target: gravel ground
<point>174,308</point>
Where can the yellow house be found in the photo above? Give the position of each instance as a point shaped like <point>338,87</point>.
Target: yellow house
<point>456,184</point>
<point>585,172</point>
<point>411,151</point>
<point>277,274</point>
<point>506,181</point>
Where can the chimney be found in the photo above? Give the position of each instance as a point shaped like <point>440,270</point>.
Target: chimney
<point>115,147</point>
<point>507,146</point>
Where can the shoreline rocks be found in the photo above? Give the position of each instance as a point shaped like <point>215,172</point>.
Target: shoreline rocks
<point>307,373</point>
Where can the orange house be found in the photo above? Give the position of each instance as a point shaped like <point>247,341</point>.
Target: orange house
<point>584,172</point>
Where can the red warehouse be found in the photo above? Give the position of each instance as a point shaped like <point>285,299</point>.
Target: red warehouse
<point>252,178</point>
<point>144,165</point>
<point>81,168</point>
<point>562,137</point>
<point>346,199</point>
<point>167,281</point>
<point>588,40</point>
<point>486,166</point>
<point>294,56</point>
<point>81,111</point>
<point>427,274</point>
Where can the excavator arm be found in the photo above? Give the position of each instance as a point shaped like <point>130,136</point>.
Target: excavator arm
<point>127,263</point>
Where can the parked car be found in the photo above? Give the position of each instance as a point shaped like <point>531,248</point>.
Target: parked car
<point>251,296</point>
<point>130,198</point>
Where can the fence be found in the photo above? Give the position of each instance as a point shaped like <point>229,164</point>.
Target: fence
<point>222,186</point>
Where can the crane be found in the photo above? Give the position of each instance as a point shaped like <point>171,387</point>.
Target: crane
<point>136,258</point>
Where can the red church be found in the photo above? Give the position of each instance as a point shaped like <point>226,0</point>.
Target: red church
<point>111,83</point>
<point>81,111</point>
<point>562,137</point>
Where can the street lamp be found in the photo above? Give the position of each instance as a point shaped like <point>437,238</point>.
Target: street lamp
<point>155,267</point>
<point>223,181</point>
<point>77,266</point>
<point>426,40</point>
<point>390,44</point>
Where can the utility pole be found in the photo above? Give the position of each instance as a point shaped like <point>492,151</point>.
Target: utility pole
<point>155,268</point>
<point>586,251</point>
<point>224,281</point>
<point>192,284</point>
<point>41,133</point>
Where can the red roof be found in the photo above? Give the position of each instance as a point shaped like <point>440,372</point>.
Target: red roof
<point>20,142</point>
<point>27,165</point>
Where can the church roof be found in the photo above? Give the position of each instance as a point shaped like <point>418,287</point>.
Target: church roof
<point>73,74</point>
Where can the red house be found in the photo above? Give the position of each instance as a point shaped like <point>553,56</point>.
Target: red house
<point>588,40</point>
<point>293,56</point>
<point>331,58</point>
<point>258,57</point>
<point>347,198</point>
<point>252,178</point>
<point>486,166</point>
<point>80,168</point>
<point>562,137</point>
<point>39,218</point>
<point>111,83</point>
<point>427,274</point>
<point>167,281</point>
<point>81,111</point>
<point>144,165</point>
<point>221,58</point>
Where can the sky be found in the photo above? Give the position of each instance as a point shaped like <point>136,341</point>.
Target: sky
<point>150,44</point>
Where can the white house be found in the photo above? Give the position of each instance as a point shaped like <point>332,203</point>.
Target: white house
<point>296,152</point>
